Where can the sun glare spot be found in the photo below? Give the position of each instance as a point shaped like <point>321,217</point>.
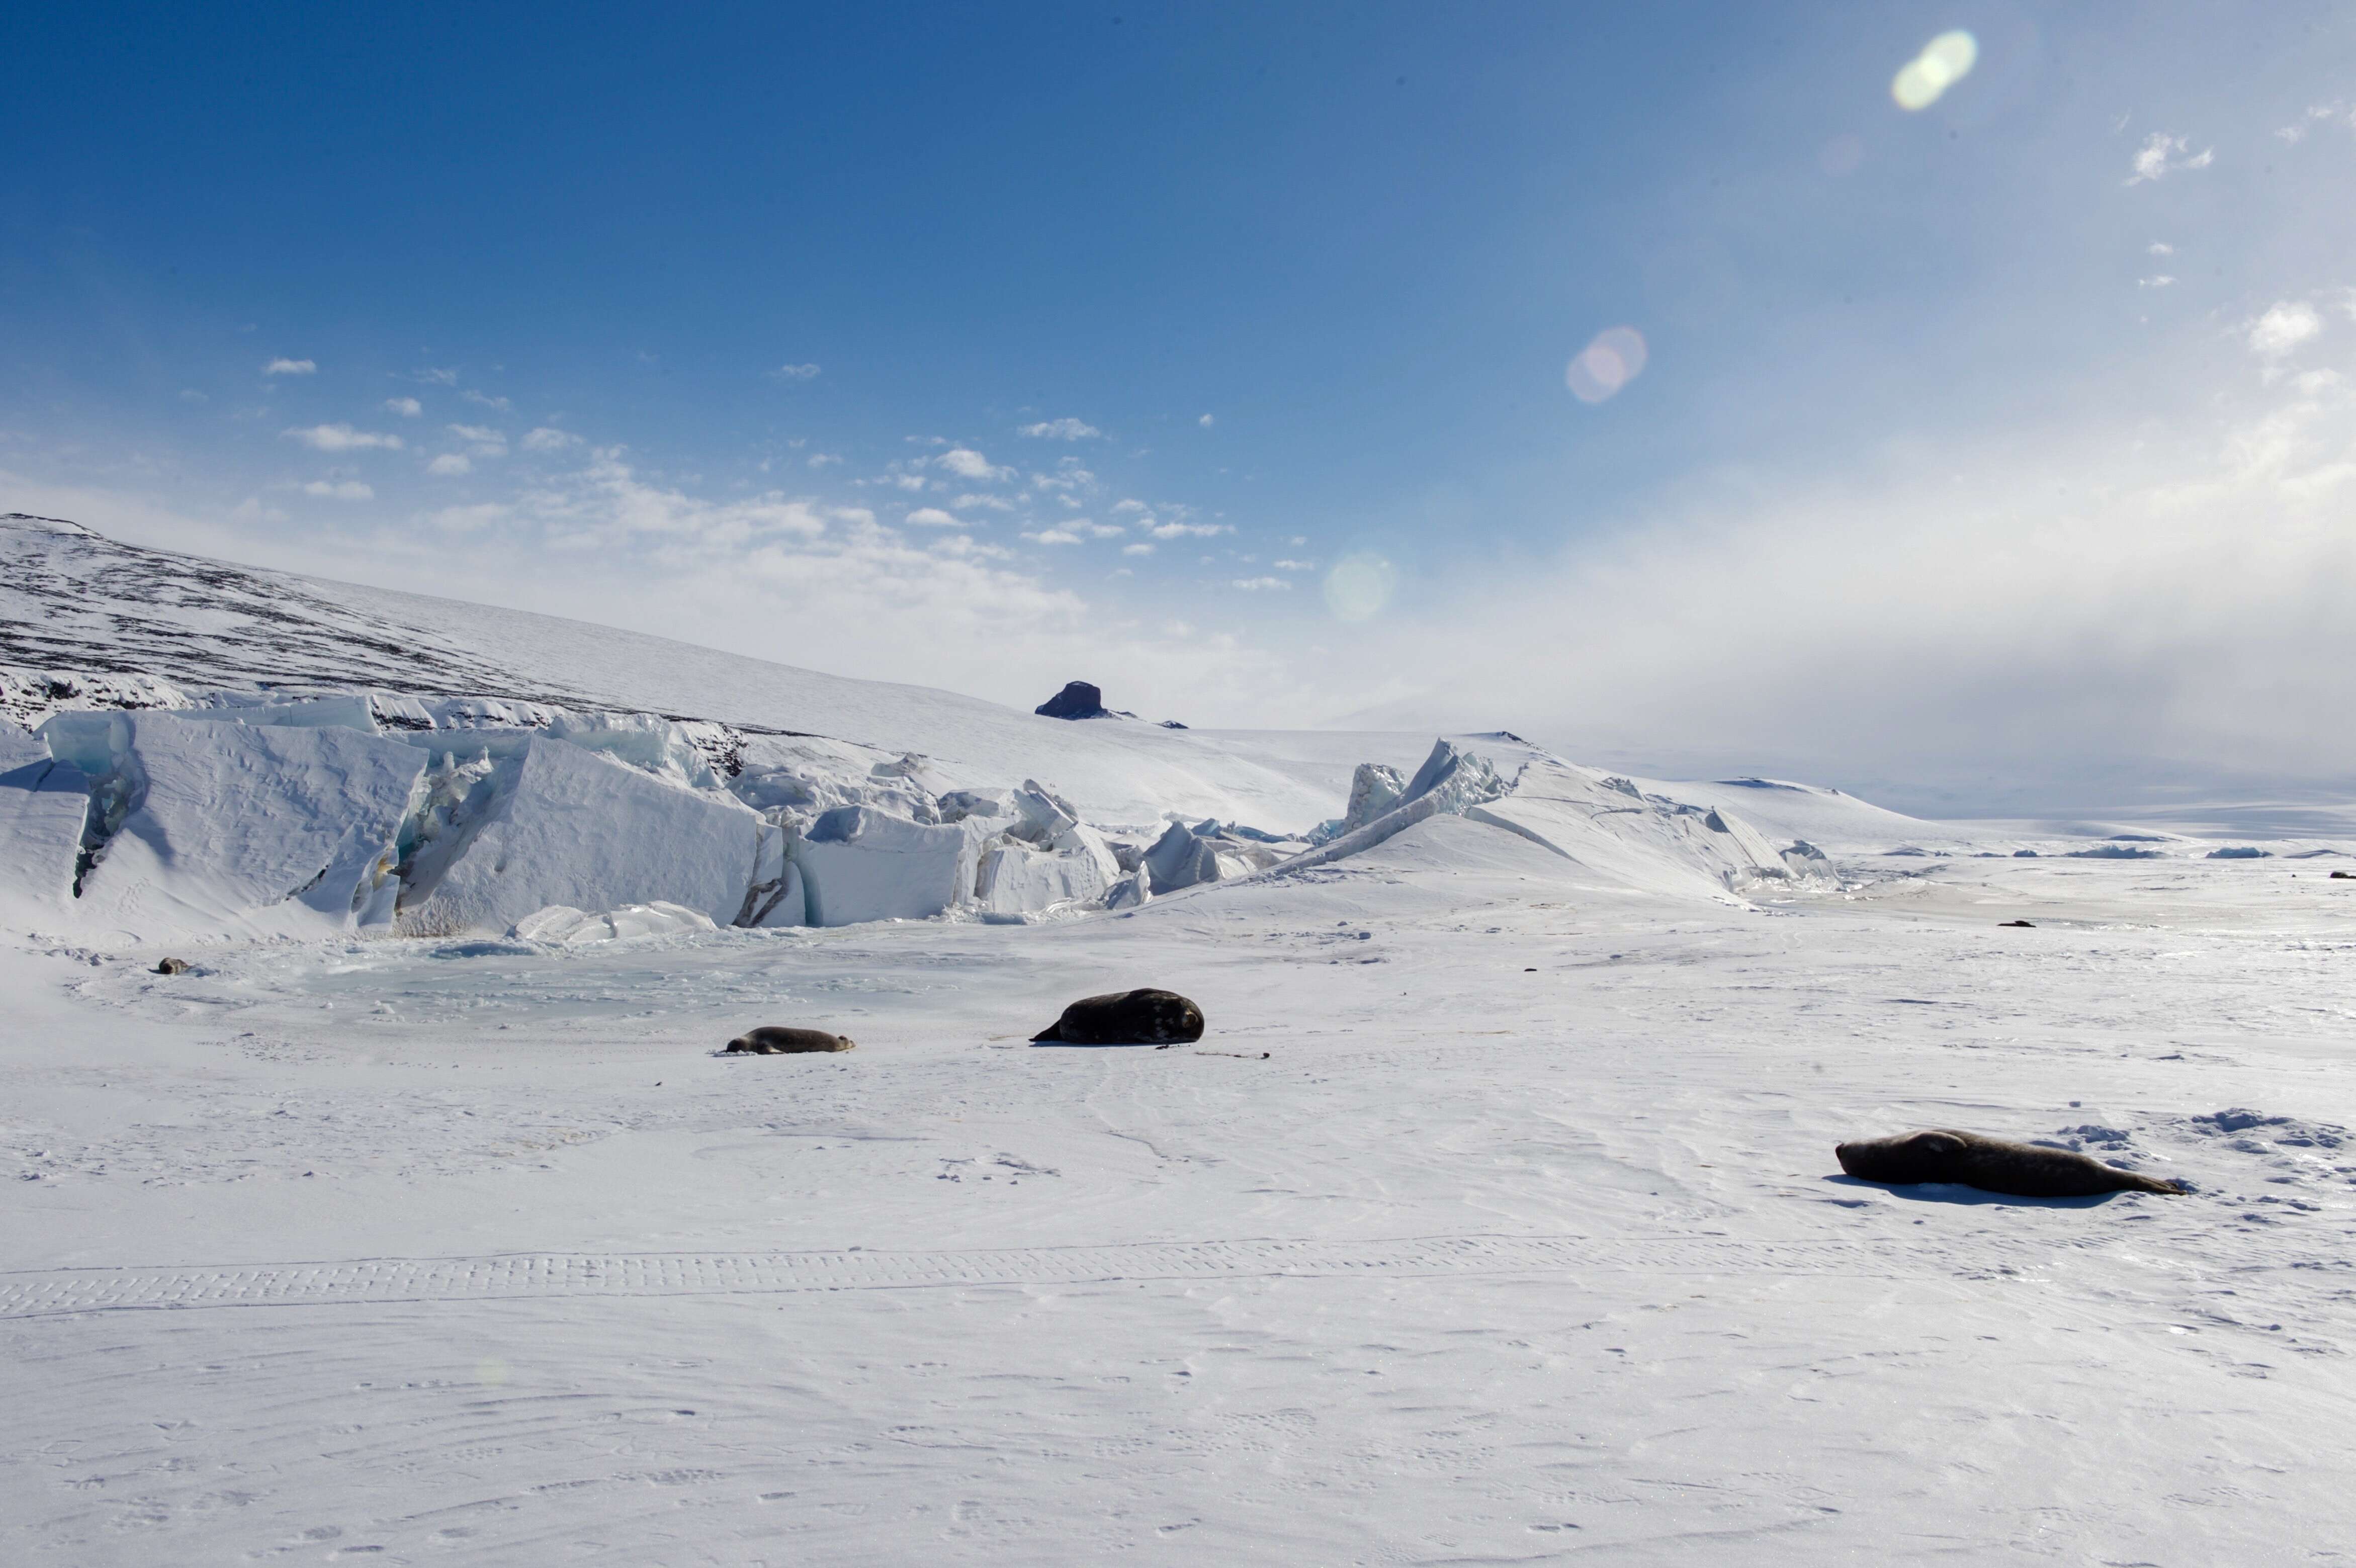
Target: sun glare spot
<point>1945,61</point>
<point>1359,587</point>
<point>1607,364</point>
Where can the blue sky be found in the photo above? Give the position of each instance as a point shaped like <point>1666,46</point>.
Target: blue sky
<point>731,323</point>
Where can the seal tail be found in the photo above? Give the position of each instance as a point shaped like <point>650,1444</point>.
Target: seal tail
<point>1054,1031</point>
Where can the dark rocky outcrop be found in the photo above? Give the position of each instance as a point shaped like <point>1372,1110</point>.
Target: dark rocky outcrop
<point>1077,699</point>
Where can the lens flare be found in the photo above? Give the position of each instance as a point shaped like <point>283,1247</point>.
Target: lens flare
<point>1945,61</point>
<point>1359,587</point>
<point>1604,366</point>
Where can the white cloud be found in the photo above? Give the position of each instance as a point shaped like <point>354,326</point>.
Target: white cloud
<point>2162,154</point>
<point>2296,132</point>
<point>932,517</point>
<point>450,463</point>
<point>471,519</point>
<point>546,439</point>
<point>2283,326</point>
<point>824,459</point>
<point>498,403</point>
<point>342,438</point>
<point>290,367</point>
<point>2161,248</point>
<point>795,373</point>
<point>1139,548</point>
<point>968,464</point>
<point>2090,611</point>
<point>1062,430</point>
<point>1052,536</point>
<point>252,509</point>
<point>1260,585</point>
<point>2161,280</point>
<point>965,547</point>
<point>1069,476</point>
<point>994,503</point>
<point>483,442</point>
<point>1188,530</point>
<point>1296,565</point>
<point>407,407</point>
<point>1204,422</point>
<point>340,490</point>
<point>436,378</point>
<point>1129,506</point>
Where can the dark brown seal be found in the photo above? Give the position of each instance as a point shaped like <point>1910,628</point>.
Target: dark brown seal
<point>172,966</point>
<point>1146,1017</point>
<point>2023,1170</point>
<point>773,1039</point>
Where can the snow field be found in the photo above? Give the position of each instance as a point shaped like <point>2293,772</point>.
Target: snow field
<point>1479,1262</point>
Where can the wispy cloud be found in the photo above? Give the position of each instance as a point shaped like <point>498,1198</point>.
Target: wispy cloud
<point>794,373</point>
<point>971,466</point>
<point>932,517</point>
<point>342,438</point>
<point>483,441</point>
<point>407,407</point>
<point>1052,536</point>
<point>435,377</point>
<point>1189,529</point>
<point>547,439</point>
<point>1062,430</point>
<point>498,403</point>
<point>2285,326</point>
<point>291,368</point>
<point>2162,155</point>
<point>2317,115</point>
<point>450,465</point>
<point>339,490</point>
<point>1260,585</point>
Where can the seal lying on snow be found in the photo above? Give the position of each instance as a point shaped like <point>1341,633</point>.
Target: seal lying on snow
<point>1146,1017</point>
<point>2023,1170</point>
<point>771,1039</point>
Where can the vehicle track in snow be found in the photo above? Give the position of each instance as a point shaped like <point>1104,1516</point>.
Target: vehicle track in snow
<point>49,1292</point>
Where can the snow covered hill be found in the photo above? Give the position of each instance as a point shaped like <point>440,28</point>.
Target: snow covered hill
<point>264,755</point>
<point>72,600</point>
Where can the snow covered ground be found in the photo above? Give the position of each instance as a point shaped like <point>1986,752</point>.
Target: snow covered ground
<point>1494,1219</point>
<point>1522,1241</point>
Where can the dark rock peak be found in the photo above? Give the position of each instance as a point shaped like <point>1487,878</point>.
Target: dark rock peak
<point>1077,699</point>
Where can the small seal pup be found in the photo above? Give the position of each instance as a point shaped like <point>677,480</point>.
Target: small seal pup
<point>172,966</point>
<point>1992,1165</point>
<point>1146,1017</point>
<point>775,1039</point>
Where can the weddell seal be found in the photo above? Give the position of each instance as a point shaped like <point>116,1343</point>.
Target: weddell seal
<point>1992,1165</point>
<point>1146,1017</point>
<point>773,1039</point>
